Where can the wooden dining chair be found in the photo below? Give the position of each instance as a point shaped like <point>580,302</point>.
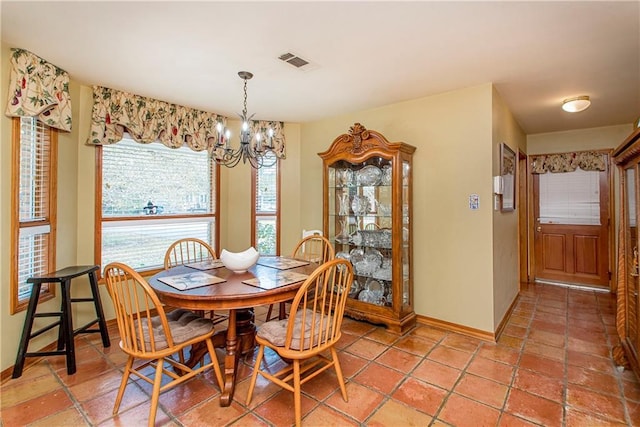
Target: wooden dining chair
<point>308,337</point>
<point>148,333</point>
<point>313,248</point>
<point>187,251</point>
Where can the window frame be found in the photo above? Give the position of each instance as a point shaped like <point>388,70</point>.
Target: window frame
<point>47,291</point>
<point>99,218</point>
<point>257,215</point>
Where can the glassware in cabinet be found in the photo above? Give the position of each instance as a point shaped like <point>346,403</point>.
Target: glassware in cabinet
<point>367,216</point>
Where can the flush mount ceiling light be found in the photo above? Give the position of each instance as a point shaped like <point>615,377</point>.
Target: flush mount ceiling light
<point>577,104</point>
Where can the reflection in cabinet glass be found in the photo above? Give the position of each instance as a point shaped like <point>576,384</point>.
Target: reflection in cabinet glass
<point>367,192</point>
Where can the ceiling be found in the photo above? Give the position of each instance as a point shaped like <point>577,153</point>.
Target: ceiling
<point>362,54</point>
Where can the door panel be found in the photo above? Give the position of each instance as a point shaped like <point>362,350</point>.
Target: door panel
<point>553,254</point>
<point>573,253</point>
<point>586,254</point>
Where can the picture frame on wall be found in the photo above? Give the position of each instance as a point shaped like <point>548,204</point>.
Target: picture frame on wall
<point>508,174</point>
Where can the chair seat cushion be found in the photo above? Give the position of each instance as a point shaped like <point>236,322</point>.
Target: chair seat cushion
<point>275,331</point>
<point>184,325</point>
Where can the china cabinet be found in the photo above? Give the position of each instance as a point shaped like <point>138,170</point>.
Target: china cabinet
<point>627,158</point>
<point>367,206</point>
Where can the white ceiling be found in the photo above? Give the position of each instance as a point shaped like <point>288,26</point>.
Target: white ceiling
<point>364,54</point>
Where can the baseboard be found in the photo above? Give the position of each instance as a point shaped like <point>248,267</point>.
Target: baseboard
<point>506,317</point>
<point>460,329</point>
<point>470,332</point>
<point>575,286</point>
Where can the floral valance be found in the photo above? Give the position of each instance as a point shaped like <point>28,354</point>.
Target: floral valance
<point>569,162</point>
<point>38,89</point>
<point>277,141</point>
<point>148,120</point>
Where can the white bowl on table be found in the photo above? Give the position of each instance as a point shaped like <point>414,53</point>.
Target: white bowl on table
<point>239,262</point>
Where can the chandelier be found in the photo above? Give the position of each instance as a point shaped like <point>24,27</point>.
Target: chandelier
<point>256,145</point>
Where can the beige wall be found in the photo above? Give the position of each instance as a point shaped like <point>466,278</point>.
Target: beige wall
<point>453,275</point>
<point>505,224</point>
<point>582,139</point>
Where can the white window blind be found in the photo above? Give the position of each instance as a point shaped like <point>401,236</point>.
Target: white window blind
<point>267,187</point>
<point>34,204</point>
<point>153,195</point>
<point>570,198</point>
<point>266,207</point>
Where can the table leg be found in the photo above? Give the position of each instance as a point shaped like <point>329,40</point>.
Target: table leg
<point>230,361</point>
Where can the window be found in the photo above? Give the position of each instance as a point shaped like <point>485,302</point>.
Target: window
<point>151,196</point>
<point>570,198</point>
<point>265,221</point>
<point>33,210</point>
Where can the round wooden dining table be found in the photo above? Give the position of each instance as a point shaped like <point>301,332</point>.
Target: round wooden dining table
<point>233,295</point>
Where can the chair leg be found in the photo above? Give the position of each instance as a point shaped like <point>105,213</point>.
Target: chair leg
<point>296,392</point>
<point>123,384</point>
<point>155,394</point>
<point>254,375</point>
<point>269,313</point>
<point>338,368</point>
<point>216,365</point>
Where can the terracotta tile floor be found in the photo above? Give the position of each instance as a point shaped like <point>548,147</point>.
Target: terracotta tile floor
<point>551,367</point>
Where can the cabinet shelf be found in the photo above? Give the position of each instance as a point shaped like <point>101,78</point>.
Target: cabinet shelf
<point>367,186</point>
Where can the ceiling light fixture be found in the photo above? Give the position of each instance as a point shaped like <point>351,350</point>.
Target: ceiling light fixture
<point>577,104</point>
<point>255,146</point>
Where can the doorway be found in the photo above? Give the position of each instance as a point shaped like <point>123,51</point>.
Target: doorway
<point>571,219</point>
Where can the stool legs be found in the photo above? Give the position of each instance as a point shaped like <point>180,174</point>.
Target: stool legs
<point>66,332</point>
<point>67,326</point>
<point>26,331</point>
<point>97,302</point>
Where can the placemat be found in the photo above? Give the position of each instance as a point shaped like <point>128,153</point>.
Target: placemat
<point>190,280</point>
<point>206,265</point>
<point>281,278</point>
<point>281,263</point>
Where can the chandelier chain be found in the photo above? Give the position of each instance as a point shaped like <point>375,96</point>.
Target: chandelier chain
<point>244,109</point>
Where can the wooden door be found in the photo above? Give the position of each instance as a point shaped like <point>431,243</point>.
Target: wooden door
<point>571,251</point>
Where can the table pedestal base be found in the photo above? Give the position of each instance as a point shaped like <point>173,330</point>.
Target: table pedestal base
<point>238,339</point>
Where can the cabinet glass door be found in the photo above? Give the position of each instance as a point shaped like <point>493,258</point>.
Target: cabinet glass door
<point>406,222</point>
<point>360,221</point>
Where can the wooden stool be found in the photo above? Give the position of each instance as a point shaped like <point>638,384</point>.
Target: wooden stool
<point>65,330</point>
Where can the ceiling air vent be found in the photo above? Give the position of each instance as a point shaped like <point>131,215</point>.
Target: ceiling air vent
<point>295,60</point>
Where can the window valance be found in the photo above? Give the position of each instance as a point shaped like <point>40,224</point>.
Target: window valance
<point>39,89</point>
<point>569,162</point>
<point>148,120</point>
<point>277,141</point>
